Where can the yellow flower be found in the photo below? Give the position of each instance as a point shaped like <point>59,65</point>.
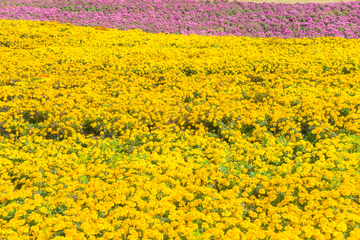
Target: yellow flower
<point>87,228</point>
<point>70,232</point>
<point>342,227</point>
<point>44,210</point>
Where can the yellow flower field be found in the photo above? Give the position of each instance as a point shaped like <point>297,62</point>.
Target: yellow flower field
<point>108,134</point>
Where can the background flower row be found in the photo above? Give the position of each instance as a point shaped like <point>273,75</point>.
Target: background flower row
<point>199,17</point>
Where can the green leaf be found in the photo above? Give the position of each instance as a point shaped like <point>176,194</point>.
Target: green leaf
<point>84,179</point>
<point>197,234</point>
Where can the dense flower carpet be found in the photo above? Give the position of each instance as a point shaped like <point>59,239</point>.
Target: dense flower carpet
<point>179,120</point>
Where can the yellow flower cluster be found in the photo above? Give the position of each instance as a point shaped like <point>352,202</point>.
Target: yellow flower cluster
<point>108,134</point>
